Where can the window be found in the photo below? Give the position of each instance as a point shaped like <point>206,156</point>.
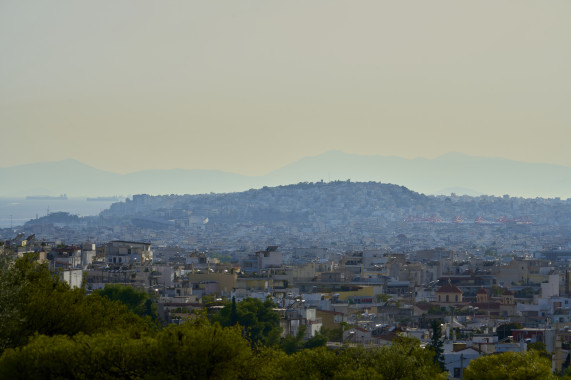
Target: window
<point>456,297</point>
<point>447,300</point>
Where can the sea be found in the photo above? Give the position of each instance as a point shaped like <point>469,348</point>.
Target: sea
<point>17,211</point>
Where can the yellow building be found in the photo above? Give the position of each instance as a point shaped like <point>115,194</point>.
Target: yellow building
<point>449,294</point>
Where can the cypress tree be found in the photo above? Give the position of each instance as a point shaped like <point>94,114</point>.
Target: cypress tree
<point>233,313</point>
<point>436,344</point>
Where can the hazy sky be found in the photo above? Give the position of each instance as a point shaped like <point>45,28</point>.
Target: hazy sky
<point>250,86</point>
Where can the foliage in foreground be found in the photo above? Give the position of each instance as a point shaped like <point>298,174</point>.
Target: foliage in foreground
<point>258,319</point>
<point>293,343</point>
<point>202,350</point>
<point>35,301</point>
<point>138,301</point>
<point>404,359</point>
<point>205,352</point>
<point>509,366</point>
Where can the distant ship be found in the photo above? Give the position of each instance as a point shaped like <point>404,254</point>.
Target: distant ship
<point>480,220</point>
<point>105,199</point>
<point>62,197</point>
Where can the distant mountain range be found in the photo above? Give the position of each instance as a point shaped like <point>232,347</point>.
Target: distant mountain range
<point>453,172</point>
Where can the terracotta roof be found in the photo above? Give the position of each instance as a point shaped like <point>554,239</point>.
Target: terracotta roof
<point>449,288</point>
<point>482,291</point>
<point>508,292</point>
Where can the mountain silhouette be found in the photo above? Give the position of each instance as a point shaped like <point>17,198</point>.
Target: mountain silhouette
<point>452,172</point>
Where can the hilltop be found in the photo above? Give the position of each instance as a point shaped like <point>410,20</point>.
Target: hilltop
<point>338,214</point>
<point>342,202</point>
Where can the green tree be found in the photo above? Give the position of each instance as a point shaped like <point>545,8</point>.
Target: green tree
<point>505,329</point>
<point>233,312</point>
<point>509,366</point>
<point>333,335</point>
<point>11,290</point>
<point>191,351</point>
<point>293,343</point>
<point>136,300</point>
<point>260,322</point>
<point>436,343</point>
<point>318,340</point>
<point>267,363</point>
<point>201,351</point>
<point>310,364</point>
<point>404,359</point>
<point>41,303</point>
<point>101,356</point>
<point>540,348</point>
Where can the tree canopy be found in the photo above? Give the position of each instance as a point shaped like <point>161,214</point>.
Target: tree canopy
<point>509,366</point>
<point>505,329</point>
<point>138,301</point>
<point>404,359</point>
<point>436,343</point>
<point>260,322</point>
<point>294,343</point>
<point>199,351</point>
<point>36,301</point>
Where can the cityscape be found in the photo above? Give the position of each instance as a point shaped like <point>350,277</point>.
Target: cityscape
<point>285,190</point>
<point>375,260</point>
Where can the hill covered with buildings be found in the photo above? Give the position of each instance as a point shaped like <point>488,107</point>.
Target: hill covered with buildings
<point>334,215</point>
